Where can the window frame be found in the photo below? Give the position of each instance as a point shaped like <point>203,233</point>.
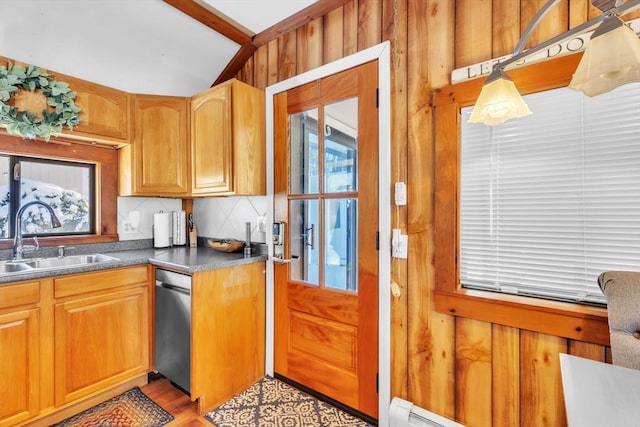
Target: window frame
<point>17,190</point>
<point>106,184</point>
<point>565,319</point>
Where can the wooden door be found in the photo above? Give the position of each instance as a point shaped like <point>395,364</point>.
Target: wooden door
<point>326,191</point>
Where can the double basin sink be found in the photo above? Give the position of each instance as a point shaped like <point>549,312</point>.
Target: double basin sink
<point>37,264</point>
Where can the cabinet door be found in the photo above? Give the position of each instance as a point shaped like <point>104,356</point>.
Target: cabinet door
<point>105,112</point>
<point>19,366</point>
<point>211,141</point>
<point>100,340</point>
<point>248,139</point>
<point>161,146</point>
<point>224,302</point>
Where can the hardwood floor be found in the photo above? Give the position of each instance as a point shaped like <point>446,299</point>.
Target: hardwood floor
<point>176,403</point>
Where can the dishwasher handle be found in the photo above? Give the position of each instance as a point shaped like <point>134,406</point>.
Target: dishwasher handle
<point>170,287</point>
<point>173,278</point>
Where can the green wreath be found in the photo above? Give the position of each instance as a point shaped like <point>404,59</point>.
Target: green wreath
<point>15,78</point>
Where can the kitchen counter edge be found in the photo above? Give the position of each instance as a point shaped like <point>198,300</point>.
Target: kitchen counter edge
<point>183,260</point>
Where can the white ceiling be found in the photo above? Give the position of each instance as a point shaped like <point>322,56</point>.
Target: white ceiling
<point>258,15</point>
<point>139,46</point>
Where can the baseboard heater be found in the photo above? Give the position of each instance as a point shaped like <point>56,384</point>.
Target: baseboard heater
<point>405,414</point>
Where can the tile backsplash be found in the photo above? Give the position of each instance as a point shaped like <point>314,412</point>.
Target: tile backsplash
<point>135,215</point>
<point>219,217</point>
<point>225,217</point>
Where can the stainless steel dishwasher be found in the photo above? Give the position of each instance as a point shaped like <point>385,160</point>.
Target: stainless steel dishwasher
<point>173,327</point>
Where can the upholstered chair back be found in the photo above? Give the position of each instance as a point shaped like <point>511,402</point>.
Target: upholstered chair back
<point>622,291</point>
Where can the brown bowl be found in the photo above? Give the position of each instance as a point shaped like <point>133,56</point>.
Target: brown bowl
<point>226,245</point>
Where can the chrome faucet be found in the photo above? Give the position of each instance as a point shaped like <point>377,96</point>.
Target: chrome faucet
<point>18,248</point>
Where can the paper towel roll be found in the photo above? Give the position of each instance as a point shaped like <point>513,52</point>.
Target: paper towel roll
<point>161,229</point>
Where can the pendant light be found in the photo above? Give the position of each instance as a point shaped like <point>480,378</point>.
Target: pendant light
<point>611,59</point>
<point>499,101</point>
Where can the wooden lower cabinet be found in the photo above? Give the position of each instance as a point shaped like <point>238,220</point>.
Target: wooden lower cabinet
<point>69,342</point>
<point>19,379</point>
<point>228,332</point>
<point>97,326</point>
<point>100,340</point>
<point>19,352</point>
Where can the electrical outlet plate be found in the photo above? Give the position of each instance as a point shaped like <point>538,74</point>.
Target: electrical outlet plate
<point>399,244</point>
<point>261,224</point>
<point>400,193</point>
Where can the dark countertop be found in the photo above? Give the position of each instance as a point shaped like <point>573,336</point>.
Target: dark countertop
<point>185,260</point>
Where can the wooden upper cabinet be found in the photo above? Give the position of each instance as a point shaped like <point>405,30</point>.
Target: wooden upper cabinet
<point>216,147</point>
<point>211,156</point>
<point>228,140</point>
<point>105,113</point>
<point>157,161</point>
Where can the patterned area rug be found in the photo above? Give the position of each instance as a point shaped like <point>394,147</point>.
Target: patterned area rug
<point>273,403</point>
<point>130,409</point>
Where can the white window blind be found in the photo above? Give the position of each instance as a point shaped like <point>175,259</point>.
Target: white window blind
<point>549,201</point>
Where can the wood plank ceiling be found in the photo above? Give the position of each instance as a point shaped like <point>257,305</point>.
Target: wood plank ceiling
<point>248,43</point>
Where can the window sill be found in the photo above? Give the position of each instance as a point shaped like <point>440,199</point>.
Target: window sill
<point>574,321</point>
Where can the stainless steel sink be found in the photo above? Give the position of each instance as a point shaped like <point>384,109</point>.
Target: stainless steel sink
<point>26,265</point>
<point>14,267</point>
<point>69,261</point>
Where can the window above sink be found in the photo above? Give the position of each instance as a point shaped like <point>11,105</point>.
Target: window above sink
<point>104,228</point>
<point>68,187</point>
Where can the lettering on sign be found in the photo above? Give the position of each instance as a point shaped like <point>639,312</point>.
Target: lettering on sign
<point>567,47</point>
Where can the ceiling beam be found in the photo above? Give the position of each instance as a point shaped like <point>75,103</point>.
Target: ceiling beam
<point>248,44</point>
<point>236,63</point>
<point>209,18</point>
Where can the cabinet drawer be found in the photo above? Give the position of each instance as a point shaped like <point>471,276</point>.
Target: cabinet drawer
<point>20,294</point>
<point>99,281</point>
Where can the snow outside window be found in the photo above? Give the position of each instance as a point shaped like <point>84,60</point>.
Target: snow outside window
<point>67,187</point>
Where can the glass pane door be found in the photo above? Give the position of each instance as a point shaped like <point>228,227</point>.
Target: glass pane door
<point>323,195</point>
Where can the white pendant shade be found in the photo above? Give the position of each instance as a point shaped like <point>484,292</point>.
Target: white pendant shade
<point>498,102</point>
<point>610,60</point>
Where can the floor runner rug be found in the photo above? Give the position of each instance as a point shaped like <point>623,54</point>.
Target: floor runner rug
<point>129,409</point>
<point>273,403</point>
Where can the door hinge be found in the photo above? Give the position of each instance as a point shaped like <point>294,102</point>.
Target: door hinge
<point>377,383</point>
<point>377,240</point>
<point>377,98</point>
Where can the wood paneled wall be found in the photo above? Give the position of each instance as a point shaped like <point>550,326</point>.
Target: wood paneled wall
<point>479,373</point>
